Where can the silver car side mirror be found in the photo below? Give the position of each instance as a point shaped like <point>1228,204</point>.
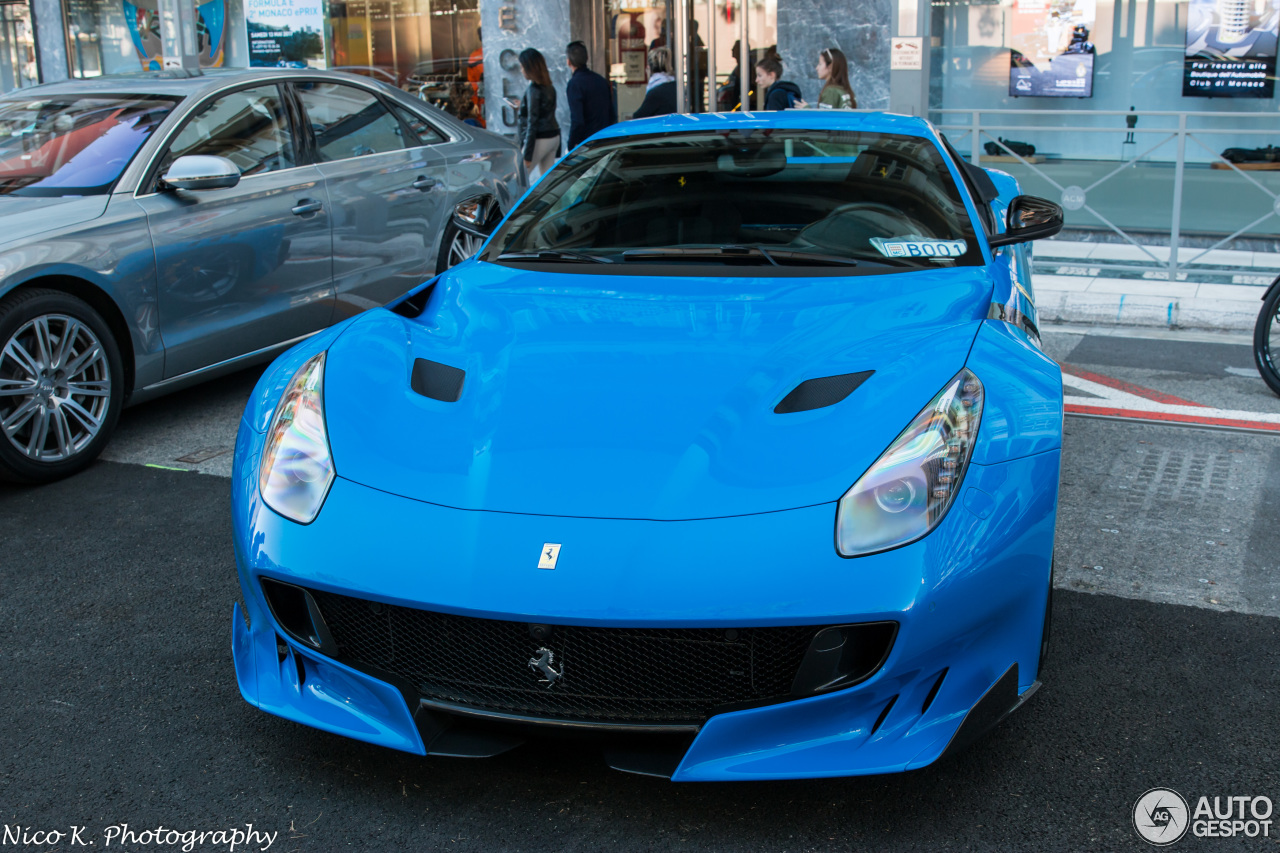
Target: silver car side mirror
<point>201,172</point>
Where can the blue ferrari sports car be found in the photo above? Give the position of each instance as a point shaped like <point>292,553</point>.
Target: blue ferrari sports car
<point>734,452</point>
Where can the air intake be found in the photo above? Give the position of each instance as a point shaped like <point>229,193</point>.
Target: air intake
<point>437,381</point>
<point>820,393</point>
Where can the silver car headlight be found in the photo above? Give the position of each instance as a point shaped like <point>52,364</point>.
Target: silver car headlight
<point>297,467</point>
<point>909,489</point>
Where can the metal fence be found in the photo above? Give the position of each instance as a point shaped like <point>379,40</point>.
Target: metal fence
<point>1172,139</point>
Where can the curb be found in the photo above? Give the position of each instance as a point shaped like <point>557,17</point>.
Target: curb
<point>1121,309</point>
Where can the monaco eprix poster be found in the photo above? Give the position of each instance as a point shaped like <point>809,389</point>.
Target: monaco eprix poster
<point>1231,49</point>
<point>1052,54</point>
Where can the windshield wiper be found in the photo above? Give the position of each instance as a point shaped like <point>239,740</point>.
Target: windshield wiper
<point>554,255</point>
<point>817,258</point>
<point>736,252</point>
<point>698,252</point>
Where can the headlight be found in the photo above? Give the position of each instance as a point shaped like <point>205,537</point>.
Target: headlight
<point>297,469</point>
<point>909,489</point>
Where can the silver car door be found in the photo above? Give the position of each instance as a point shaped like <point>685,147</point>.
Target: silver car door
<point>246,268</point>
<point>386,193</point>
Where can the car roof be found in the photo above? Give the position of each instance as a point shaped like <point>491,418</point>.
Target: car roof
<point>786,119</point>
<point>168,83</point>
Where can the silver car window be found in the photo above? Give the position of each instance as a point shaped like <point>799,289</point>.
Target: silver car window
<point>248,127</point>
<point>349,122</point>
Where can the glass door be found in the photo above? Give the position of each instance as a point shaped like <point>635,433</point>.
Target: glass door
<point>18,63</point>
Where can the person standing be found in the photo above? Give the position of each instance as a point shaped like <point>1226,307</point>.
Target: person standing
<point>660,94</point>
<point>590,100</point>
<point>536,123</point>
<point>730,94</point>
<point>833,71</point>
<point>778,94</point>
<point>475,78</point>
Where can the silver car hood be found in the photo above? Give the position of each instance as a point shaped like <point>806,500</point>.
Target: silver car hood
<point>23,217</point>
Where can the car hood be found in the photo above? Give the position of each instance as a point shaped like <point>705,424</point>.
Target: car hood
<point>22,217</point>
<point>643,397</point>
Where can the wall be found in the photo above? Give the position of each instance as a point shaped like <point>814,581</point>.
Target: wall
<point>541,24</point>
<point>860,29</point>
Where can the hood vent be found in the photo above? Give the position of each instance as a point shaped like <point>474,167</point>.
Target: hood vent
<point>437,381</point>
<point>820,393</point>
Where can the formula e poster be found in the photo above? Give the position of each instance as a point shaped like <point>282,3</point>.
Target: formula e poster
<point>285,33</point>
<point>1052,55</point>
<point>1231,49</point>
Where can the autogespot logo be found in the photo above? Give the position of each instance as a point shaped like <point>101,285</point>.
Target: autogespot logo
<point>1160,816</point>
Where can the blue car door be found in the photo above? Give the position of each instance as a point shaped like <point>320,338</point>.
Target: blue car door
<point>240,269</point>
<point>386,191</point>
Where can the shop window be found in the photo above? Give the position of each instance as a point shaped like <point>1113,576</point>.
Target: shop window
<point>429,48</point>
<point>117,36</point>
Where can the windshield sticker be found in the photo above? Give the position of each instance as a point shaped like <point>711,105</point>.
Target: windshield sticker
<point>907,248</point>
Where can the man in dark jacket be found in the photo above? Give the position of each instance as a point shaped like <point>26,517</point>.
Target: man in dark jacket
<point>590,100</point>
<point>778,94</point>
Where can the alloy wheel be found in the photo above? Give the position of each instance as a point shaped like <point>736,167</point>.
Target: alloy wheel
<point>55,387</point>
<point>464,245</point>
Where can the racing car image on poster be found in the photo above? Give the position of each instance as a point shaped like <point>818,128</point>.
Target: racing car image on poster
<point>1231,48</point>
<point>1051,55</point>
<point>734,451</point>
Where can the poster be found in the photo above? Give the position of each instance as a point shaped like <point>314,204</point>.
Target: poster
<point>143,20</point>
<point>1231,49</point>
<point>1052,55</point>
<point>285,33</point>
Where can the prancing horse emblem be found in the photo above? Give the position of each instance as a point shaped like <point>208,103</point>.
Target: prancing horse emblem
<point>543,663</point>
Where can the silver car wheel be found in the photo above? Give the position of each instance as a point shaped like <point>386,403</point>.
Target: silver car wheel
<point>464,245</point>
<point>55,387</point>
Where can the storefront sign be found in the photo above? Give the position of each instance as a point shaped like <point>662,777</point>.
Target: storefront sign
<point>906,54</point>
<point>285,33</point>
<point>1052,55</point>
<point>1231,49</point>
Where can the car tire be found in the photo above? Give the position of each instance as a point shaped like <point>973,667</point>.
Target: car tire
<point>457,246</point>
<point>1263,357</point>
<point>62,351</point>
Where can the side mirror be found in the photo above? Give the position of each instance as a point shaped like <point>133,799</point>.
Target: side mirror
<point>1030,218</point>
<point>473,216</point>
<point>201,172</point>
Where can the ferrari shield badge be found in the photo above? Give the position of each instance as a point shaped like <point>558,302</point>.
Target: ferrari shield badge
<point>550,553</point>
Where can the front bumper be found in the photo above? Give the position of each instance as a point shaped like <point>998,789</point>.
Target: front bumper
<point>969,600</point>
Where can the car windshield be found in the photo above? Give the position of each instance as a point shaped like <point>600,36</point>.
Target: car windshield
<point>854,201</point>
<point>73,145</point>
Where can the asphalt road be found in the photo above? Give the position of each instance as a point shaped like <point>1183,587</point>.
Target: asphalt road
<point>118,703</point>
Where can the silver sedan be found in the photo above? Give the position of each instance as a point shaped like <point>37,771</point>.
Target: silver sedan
<point>157,231</point>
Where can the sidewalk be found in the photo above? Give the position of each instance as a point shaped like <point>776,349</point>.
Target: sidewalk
<point>1072,285</point>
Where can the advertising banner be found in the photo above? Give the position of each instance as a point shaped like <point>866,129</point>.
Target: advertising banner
<point>285,33</point>
<point>1231,49</point>
<point>1052,56</point>
<point>143,20</point>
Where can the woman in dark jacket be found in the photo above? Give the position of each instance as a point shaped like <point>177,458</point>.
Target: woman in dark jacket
<point>660,96</point>
<point>537,127</point>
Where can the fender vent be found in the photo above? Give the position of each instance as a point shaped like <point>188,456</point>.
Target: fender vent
<point>820,393</point>
<point>437,381</point>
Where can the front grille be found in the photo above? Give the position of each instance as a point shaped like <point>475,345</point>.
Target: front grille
<point>610,675</point>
